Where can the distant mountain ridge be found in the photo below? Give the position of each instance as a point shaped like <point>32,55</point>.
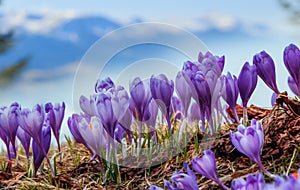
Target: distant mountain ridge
<point>69,41</point>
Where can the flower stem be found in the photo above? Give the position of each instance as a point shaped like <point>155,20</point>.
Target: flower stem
<point>219,182</point>
<point>245,116</point>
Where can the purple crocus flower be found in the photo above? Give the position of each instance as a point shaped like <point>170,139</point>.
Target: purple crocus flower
<point>203,97</point>
<point>176,108</point>
<point>93,133</point>
<point>32,123</point>
<point>294,86</point>
<point>25,139</point>
<point>265,68</point>
<point>230,92</point>
<point>140,99</point>
<point>210,62</point>
<point>107,115</point>
<point>249,141</point>
<point>55,115</point>
<point>252,182</point>
<point>9,122</point>
<point>185,181</point>
<point>162,91</point>
<point>211,67</point>
<point>206,166</point>
<point>291,58</point>
<point>38,154</point>
<point>73,123</point>
<point>120,105</point>
<point>184,91</point>
<point>104,85</point>
<point>247,82</point>
<point>6,141</point>
<point>88,106</point>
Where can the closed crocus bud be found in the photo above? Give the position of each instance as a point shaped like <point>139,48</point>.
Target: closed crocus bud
<point>230,92</point>
<point>203,98</point>
<point>294,86</point>
<point>246,82</point>
<point>162,91</point>
<point>104,85</point>
<point>55,115</point>
<point>206,166</point>
<point>140,98</point>
<point>9,122</point>
<point>107,115</point>
<point>184,91</point>
<point>73,127</point>
<point>93,133</point>
<point>291,58</point>
<point>266,69</point>
<point>38,154</point>
<point>25,139</point>
<point>32,121</point>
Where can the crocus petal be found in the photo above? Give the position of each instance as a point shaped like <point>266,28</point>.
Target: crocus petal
<point>291,59</point>
<point>32,121</point>
<point>206,165</point>
<point>38,155</point>
<point>93,133</point>
<point>293,86</point>
<point>162,91</point>
<point>249,141</point>
<point>25,139</point>
<point>246,82</point>
<point>183,90</point>
<point>104,85</point>
<point>266,69</point>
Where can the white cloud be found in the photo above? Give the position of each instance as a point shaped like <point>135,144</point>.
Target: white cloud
<point>48,20</point>
<point>42,74</point>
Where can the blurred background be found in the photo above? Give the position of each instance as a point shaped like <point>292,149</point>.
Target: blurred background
<point>42,42</point>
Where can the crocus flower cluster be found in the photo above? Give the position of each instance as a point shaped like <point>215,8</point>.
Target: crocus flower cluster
<point>249,141</point>
<point>205,166</point>
<point>105,118</point>
<point>257,182</point>
<point>35,124</point>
